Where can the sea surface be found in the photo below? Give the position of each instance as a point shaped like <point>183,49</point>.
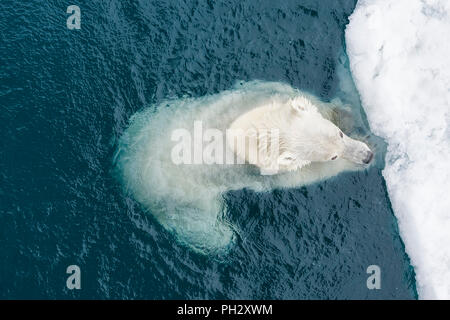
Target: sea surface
<point>66,97</point>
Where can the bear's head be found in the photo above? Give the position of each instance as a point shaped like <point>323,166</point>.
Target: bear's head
<point>316,139</point>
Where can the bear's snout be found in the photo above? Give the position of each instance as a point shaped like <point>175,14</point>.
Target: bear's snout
<point>369,157</point>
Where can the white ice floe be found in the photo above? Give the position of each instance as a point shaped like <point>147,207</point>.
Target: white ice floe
<point>399,53</point>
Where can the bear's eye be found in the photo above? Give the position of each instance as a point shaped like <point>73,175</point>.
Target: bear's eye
<point>341,134</point>
<point>334,158</point>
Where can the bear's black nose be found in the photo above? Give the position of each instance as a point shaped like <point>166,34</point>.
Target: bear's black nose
<point>369,157</point>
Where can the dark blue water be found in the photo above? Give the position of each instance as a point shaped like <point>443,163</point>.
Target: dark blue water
<point>66,97</point>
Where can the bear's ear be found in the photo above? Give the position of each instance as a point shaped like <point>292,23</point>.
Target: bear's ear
<point>300,105</point>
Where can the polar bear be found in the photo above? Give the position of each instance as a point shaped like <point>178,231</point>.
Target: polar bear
<point>315,143</point>
<point>304,135</point>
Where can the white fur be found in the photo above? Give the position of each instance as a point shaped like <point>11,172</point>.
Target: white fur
<point>304,135</point>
